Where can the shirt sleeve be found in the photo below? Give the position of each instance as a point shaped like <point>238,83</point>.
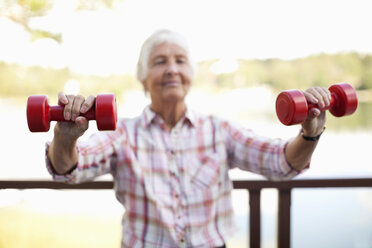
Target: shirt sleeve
<point>257,154</point>
<point>96,156</point>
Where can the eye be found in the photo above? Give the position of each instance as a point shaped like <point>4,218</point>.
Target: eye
<point>181,61</point>
<point>159,61</point>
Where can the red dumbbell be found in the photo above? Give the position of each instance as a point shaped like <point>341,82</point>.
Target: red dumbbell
<point>292,107</point>
<point>39,113</point>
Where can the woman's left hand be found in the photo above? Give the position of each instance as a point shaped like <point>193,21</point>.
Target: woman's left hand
<point>316,118</point>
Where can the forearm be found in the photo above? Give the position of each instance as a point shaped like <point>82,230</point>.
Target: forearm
<point>299,151</point>
<point>62,154</point>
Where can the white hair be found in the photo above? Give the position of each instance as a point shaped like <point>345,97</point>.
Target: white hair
<point>155,39</point>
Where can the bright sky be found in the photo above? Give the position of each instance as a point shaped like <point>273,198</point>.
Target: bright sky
<point>108,41</point>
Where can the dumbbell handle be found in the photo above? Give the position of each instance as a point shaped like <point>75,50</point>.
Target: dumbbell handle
<point>56,114</point>
<point>40,113</point>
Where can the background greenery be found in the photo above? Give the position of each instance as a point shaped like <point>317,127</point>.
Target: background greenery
<point>316,70</point>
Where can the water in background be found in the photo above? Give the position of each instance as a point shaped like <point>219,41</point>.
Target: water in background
<point>320,217</point>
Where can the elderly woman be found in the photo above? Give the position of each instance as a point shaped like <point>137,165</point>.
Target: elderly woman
<point>170,164</point>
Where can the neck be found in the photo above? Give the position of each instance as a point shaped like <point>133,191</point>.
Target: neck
<point>170,112</point>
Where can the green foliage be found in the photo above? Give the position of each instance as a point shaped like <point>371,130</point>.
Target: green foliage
<point>366,74</point>
<point>97,4</point>
<point>316,70</point>
<point>116,84</point>
<point>34,7</point>
<point>21,11</point>
<point>319,70</point>
<point>39,34</point>
<point>19,81</point>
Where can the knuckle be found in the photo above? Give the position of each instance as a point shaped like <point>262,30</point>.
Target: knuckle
<point>76,108</point>
<point>67,108</point>
<point>80,98</point>
<point>70,98</point>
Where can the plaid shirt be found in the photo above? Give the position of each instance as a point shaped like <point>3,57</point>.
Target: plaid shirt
<point>175,185</point>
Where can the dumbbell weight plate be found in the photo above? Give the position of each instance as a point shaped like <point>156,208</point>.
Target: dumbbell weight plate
<point>347,100</point>
<point>106,112</point>
<point>38,113</point>
<point>291,107</point>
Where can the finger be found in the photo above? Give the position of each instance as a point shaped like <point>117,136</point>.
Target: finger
<point>310,98</point>
<point>67,112</point>
<point>82,123</point>
<point>78,102</point>
<point>62,99</point>
<point>313,113</point>
<point>88,104</point>
<point>325,94</point>
<point>314,93</point>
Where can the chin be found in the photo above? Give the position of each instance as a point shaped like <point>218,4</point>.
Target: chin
<point>174,96</point>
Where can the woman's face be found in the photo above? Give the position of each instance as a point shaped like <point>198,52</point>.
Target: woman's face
<point>169,74</point>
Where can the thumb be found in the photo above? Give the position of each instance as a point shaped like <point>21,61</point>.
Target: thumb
<point>313,113</point>
<point>82,123</point>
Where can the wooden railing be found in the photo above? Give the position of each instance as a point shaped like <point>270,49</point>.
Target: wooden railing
<point>254,188</point>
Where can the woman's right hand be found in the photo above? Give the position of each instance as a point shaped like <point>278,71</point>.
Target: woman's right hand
<point>74,106</point>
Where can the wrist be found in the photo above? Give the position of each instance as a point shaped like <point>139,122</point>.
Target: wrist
<point>312,132</point>
<point>313,136</point>
<point>66,136</point>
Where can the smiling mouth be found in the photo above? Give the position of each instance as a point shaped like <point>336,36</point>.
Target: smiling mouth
<point>170,83</point>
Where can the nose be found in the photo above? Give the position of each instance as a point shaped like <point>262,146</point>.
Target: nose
<point>172,68</point>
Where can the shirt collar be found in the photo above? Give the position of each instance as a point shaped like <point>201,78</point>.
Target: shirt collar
<point>148,117</point>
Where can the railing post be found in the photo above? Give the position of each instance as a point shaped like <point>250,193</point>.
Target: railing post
<point>284,218</point>
<point>254,218</point>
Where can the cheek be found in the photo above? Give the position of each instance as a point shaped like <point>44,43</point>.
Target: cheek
<point>156,77</point>
<point>189,73</point>
<point>187,78</point>
<point>152,79</point>
<point>186,75</point>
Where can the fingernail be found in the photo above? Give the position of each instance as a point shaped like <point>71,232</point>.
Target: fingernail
<point>83,109</point>
<point>73,117</point>
<point>67,116</point>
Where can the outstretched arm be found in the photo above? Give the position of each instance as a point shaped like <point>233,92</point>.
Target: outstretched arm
<point>299,150</point>
<point>62,152</point>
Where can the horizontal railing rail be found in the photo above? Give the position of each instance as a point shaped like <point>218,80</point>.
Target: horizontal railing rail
<point>254,188</point>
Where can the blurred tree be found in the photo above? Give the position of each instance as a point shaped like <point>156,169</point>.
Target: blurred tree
<point>21,11</point>
<point>93,5</point>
